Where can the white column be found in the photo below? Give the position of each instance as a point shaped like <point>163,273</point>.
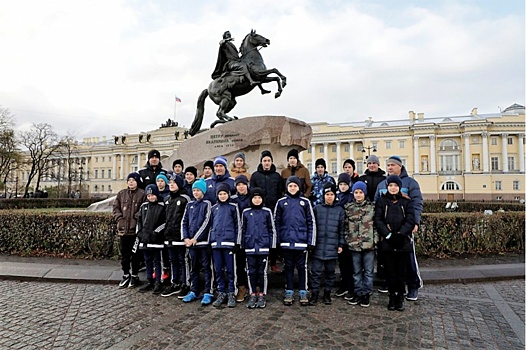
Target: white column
<point>301,158</point>
<point>351,151</point>
<point>485,152</point>
<point>313,155</point>
<point>416,155</point>
<point>504,138</point>
<point>521,153</point>
<point>325,152</point>
<point>121,173</point>
<point>433,152</point>
<point>139,165</point>
<point>338,154</point>
<point>114,167</point>
<point>467,154</point>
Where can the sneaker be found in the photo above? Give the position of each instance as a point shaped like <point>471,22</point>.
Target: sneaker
<point>412,294</point>
<point>231,300</point>
<point>184,291</point>
<point>313,300</point>
<point>142,266</point>
<point>341,292</point>
<point>252,301</point>
<point>147,287</point>
<point>364,301</point>
<point>289,297</point>
<point>169,291</point>
<point>304,300</point>
<point>262,301</point>
<point>189,297</point>
<point>241,294</point>
<point>327,297</point>
<point>125,281</point>
<point>354,300</point>
<point>383,288</point>
<point>348,295</point>
<point>134,282</point>
<point>158,288</point>
<point>275,269</point>
<point>221,298</point>
<point>207,299</point>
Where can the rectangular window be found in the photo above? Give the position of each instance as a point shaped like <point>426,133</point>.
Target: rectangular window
<point>333,149</point>
<point>401,144</point>
<point>309,167</point>
<point>360,147</point>
<point>320,149</point>
<point>102,188</point>
<point>494,141</point>
<point>510,140</point>
<point>102,174</point>
<point>511,163</point>
<point>498,185</point>
<point>387,144</point>
<point>334,167</point>
<point>375,145</point>
<point>96,174</point>
<point>96,159</point>
<point>359,167</point>
<point>516,185</point>
<point>109,159</point>
<point>346,148</point>
<point>109,173</point>
<point>494,163</point>
<point>103,159</point>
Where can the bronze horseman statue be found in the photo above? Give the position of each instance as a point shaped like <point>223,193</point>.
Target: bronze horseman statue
<point>236,75</point>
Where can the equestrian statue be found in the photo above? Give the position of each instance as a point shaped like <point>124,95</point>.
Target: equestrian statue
<point>236,75</point>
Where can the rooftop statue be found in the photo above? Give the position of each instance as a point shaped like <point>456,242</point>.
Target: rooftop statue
<point>236,75</point>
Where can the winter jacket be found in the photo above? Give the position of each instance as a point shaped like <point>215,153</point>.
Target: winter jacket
<point>150,225</point>
<point>211,185</point>
<point>242,201</point>
<point>148,175</point>
<point>235,172</point>
<point>410,188</point>
<point>175,206</point>
<point>295,223</point>
<point>316,195</point>
<point>225,231</point>
<point>302,173</point>
<point>344,197</point>
<point>330,222</point>
<point>188,189</point>
<point>164,193</point>
<point>395,215</point>
<point>258,230</point>
<point>196,222</point>
<point>270,181</point>
<point>372,179</point>
<point>360,233</point>
<point>125,208</point>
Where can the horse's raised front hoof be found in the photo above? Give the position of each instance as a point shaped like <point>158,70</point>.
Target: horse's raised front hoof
<point>284,82</point>
<point>263,92</point>
<point>278,94</point>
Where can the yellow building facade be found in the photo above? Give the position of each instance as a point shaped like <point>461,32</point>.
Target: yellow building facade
<point>466,157</point>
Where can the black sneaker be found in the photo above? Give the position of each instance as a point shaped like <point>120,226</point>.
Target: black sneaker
<point>134,282</point>
<point>383,288</point>
<point>125,281</point>
<point>341,292</point>
<point>348,296</point>
<point>147,287</point>
<point>158,288</point>
<point>364,301</point>
<point>354,300</point>
<point>169,291</point>
<point>184,291</point>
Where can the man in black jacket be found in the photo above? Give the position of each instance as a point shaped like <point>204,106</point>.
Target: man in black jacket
<point>373,176</point>
<point>152,168</point>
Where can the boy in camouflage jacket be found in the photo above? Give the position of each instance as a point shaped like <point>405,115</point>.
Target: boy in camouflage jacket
<point>361,238</point>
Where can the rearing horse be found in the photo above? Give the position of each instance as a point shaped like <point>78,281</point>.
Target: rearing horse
<point>224,90</point>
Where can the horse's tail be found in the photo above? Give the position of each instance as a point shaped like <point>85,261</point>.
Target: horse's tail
<point>198,120</point>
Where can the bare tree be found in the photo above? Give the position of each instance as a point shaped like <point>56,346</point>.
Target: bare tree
<point>42,144</point>
<point>9,153</point>
<point>68,152</point>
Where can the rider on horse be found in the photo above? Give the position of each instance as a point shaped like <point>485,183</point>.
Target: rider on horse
<point>228,60</point>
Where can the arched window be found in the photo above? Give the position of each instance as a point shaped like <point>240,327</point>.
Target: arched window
<point>449,157</point>
<point>450,186</point>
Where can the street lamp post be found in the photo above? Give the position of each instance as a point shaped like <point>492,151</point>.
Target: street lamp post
<point>368,149</point>
<point>80,180</point>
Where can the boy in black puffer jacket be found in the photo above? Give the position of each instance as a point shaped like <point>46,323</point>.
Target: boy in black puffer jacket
<point>394,219</point>
<point>330,222</point>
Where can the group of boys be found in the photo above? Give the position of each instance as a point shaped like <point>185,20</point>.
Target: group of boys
<point>225,224</point>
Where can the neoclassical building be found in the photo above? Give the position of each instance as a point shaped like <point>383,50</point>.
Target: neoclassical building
<point>464,157</point>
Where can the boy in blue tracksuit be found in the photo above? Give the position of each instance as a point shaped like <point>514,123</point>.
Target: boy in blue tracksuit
<point>194,229</point>
<point>259,236</point>
<point>175,205</point>
<point>225,238</point>
<point>242,199</point>
<point>296,231</point>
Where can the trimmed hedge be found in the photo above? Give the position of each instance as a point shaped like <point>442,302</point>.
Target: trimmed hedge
<point>36,203</point>
<point>92,235</point>
<point>470,207</point>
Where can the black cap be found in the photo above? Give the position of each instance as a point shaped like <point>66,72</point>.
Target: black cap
<point>293,153</point>
<point>320,161</point>
<point>266,153</point>
<point>191,169</point>
<point>154,153</point>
